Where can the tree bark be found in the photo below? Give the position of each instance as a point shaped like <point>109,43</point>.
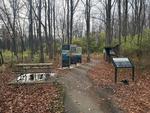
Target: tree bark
<point>68,19</point>
<point>71,20</point>
<point>88,11</point>
<point>54,27</point>
<point>40,37</point>
<point>1,55</point>
<point>125,19</point>
<point>14,47</point>
<point>50,28</point>
<point>119,14</point>
<point>108,23</point>
<point>31,29</point>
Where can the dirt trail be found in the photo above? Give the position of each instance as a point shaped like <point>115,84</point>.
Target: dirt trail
<point>80,96</point>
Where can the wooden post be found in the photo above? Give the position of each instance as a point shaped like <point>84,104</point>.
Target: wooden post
<point>133,74</point>
<point>115,75</point>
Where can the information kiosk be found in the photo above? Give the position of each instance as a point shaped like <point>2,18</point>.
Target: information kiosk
<point>65,55</point>
<point>71,54</point>
<point>79,54</point>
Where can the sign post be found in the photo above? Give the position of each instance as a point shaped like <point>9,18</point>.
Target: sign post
<point>122,63</point>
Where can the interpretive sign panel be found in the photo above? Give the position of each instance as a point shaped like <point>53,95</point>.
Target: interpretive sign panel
<point>122,63</point>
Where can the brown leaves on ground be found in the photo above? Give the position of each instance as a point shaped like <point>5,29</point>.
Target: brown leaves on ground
<point>132,98</point>
<point>35,98</point>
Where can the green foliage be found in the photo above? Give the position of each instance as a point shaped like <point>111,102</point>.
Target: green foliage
<point>139,52</point>
<point>7,56</point>
<point>101,41</point>
<point>146,41</point>
<point>36,58</point>
<point>131,46</point>
<point>25,55</point>
<point>80,42</point>
<point>96,43</point>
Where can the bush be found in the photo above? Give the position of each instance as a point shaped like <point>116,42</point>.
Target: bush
<point>7,56</point>
<point>130,46</point>
<point>96,43</point>
<point>140,52</point>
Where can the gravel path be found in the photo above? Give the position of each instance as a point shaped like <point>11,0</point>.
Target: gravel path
<point>80,97</point>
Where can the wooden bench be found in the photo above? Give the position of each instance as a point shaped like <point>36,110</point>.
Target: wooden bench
<point>32,71</point>
<point>24,68</point>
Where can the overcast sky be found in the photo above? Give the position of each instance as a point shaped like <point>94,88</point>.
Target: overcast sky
<point>98,11</point>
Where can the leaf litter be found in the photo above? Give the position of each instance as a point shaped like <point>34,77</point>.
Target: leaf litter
<point>29,98</point>
<point>131,98</point>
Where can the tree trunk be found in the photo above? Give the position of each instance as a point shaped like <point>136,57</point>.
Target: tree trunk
<point>54,27</point>
<point>71,20</point>
<point>125,19</point>
<point>119,14</point>
<point>1,58</point>
<point>88,10</point>
<point>108,23</point>
<point>45,29</point>
<point>50,28</point>
<point>1,55</point>
<point>149,20</point>
<point>31,29</point>
<point>14,28</point>
<point>68,19</point>
<point>22,46</point>
<point>40,33</point>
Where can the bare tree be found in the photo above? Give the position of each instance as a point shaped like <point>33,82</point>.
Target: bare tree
<point>125,19</point>
<point>45,29</point>
<point>72,11</point>
<point>119,14</point>
<point>149,16</point>
<point>9,18</point>
<point>108,22</point>
<point>54,29</point>
<point>50,27</point>
<point>1,55</point>
<point>31,28</point>
<point>68,23</point>
<point>39,32</point>
<point>63,21</point>
<point>87,14</point>
<point>139,9</point>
